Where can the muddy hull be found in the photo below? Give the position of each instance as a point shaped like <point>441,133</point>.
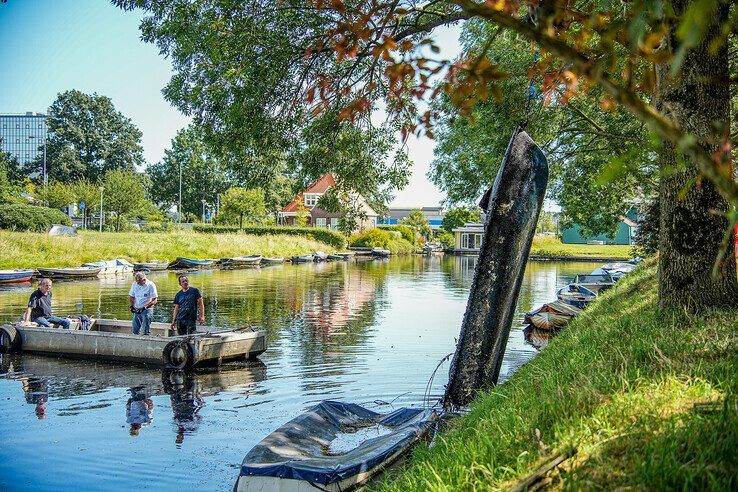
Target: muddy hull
<point>113,340</point>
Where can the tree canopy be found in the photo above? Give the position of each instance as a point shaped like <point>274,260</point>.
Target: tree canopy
<point>241,202</point>
<point>457,217</point>
<point>87,137</point>
<point>124,194</point>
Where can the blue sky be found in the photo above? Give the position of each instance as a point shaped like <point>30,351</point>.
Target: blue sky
<point>49,46</point>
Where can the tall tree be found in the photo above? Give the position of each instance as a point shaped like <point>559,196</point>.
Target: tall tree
<point>240,202</point>
<point>124,194</point>
<point>10,176</point>
<point>418,223</point>
<point>87,137</point>
<point>457,217</point>
<point>202,177</point>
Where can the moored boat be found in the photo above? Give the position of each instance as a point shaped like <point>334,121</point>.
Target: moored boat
<point>241,261</point>
<point>317,450</point>
<point>319,256</point>
<point>117,266</point>
<point>152,266</point>
<point>551,316</point>
<point>595,282</point>
<point>303,259</point>
<point>189,263</point>
<point>272,261</point>
<point>346,254</point>
<point>381,253</point>
<point>576,295</point>
<point>13,276</point>
<point>113,340</point>
<point>336,257</point>
<point>69,272</point>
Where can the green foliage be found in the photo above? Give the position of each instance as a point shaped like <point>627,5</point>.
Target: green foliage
<point>303,214</point>
<point>446,238</point>
<point>57,194</point>
<point>407,233</point>
<point>124,195</point>
<point>379,238</point>
<point>240,202</point>
<point>647,237</point>
<point>87,137</point>
<point>457,217</point>
<point>546,223</point>
<point>202,176</point>
<point>598,159</point>
<point>10,177</point>
<point>248,101</point>
<point>322,234</point>
<point>418,223</point>
<point>30,218</point>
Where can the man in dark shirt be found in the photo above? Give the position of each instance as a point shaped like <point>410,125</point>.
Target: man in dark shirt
<point>39,307</point>
<point>187,303</point>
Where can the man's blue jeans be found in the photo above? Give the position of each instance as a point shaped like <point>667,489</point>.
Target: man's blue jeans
<point>143,320</point>
<point>47,321</point>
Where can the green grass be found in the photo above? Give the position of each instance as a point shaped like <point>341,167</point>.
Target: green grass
<point>619,384</point>
<point>552,246</point>
<point>27,250</point>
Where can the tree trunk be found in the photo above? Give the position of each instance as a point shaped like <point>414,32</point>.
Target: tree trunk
<point>696,271</point>
<point>512,205</point>
<point>240,222</point>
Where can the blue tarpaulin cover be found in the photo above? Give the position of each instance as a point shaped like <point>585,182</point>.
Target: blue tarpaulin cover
<point>297,450</point>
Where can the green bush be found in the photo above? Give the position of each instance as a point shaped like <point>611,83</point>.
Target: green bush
<point>407,232</point>
<point>380,238</point>
<point>19,217</point>
<point>322,234</point>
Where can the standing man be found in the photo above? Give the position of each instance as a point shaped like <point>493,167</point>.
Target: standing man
<point>39,307</point>
<point>187,303</point>
<point>142,298</point>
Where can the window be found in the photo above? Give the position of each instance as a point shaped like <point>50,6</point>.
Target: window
<point>334,223</point>
<point>311,199</point>
<point>320,222</point>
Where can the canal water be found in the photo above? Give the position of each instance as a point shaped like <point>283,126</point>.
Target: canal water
<point>369,332</point>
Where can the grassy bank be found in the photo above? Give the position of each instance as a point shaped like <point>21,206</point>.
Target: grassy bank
<point>620,384</point>
<point>552,247</point>
<point>26,249</point>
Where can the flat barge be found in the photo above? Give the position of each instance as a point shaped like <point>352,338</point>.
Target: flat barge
<point>112,339</point>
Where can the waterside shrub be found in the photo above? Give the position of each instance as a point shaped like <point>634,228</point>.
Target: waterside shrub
<point>407,232</point>
<point>322,234</point>
<point>380,238</point>
<point>18,217</point>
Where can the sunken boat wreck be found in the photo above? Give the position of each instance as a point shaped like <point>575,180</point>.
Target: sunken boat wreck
<point>112,339</point>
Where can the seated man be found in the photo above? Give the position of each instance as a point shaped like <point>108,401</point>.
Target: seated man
<point>39,307</point>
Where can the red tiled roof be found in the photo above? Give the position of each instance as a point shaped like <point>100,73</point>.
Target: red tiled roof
<point>319,186</point>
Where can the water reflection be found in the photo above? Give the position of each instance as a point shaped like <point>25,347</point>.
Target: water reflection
<point>361,331</point>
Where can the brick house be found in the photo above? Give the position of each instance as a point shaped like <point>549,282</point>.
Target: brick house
<point>321,218</point>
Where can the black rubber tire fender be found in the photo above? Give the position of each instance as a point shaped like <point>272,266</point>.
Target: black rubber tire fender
<point>178,355</point>
<point>10,340</point>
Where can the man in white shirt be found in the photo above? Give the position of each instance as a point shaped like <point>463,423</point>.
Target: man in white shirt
<point>142,298</point>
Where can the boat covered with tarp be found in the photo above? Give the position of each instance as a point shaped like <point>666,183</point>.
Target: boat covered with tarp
<point>151,266</point>
<point>189,263</point>
<point>321,448</point>
<point>275,260</point>
<point>62,230</point>
<point>381,253</point>
<point>112,339</point>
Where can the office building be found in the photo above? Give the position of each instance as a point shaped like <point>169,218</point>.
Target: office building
<point>23,135</point>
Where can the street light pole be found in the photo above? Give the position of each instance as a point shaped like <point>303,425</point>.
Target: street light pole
<point>44,172</point>
<point>203,210</point>
<point>102,188</point>
<point>179,209</point>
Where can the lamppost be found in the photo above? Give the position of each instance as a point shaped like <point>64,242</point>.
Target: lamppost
<point>179,209</point>
<point>102,188</point>
<point>203,210</point>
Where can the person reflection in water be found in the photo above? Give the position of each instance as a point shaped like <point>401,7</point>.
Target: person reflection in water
<point>186,402</point>
<point>37,393</point>
<point>139,410</point>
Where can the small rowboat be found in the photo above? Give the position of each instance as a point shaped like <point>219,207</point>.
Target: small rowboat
<point>576,295</point>
<point>595,282</point>
<point>13,276</point>
<point>112,339</point>
<point>272,261</point>
<point>319,256</point>
<point>346,254</point>
<point>70,272</point>
<point>188,263</point>
<point>381,253</point>
<point>302,259</point>
<point>333,446</point>
<point>537,337</point>
<point>551,316</point>
<point>152,266</point>
<point>241,261</point>
<point>334,257</point>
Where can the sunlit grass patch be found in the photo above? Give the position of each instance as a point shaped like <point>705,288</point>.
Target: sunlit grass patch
<point>551,246</point>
